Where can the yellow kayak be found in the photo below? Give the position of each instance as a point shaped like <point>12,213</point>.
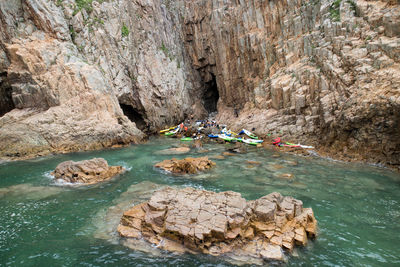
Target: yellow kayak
<point>169,129</point>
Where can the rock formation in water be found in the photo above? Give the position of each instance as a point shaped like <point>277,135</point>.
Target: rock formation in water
<point>86,171</point>
<point>198,221</point>
<point>88,74</point>
<point>186,166</point>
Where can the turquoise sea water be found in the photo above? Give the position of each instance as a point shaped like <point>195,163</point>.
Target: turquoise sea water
<point>44,223</point>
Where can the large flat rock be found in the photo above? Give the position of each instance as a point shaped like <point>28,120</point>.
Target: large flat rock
<point>198,221</point>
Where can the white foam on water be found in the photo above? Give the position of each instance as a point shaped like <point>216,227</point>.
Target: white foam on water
<point>125,165</point>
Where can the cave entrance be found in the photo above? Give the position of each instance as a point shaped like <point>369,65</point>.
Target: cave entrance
<point>134,116</point>
<point>211,95</point>
<point>6,102</point>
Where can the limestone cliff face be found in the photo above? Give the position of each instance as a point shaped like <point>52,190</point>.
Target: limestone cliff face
<point>84,75</point>
<point>315,71</point>
<point>90,74</point>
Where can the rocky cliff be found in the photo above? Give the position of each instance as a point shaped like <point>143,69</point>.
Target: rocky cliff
<point>325,72</point>
<point>88,74</point>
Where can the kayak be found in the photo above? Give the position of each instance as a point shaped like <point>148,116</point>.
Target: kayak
<point>172,132</point>
<point>186,139</point>
<point>291,145</point>
<point>249,134</point>
<point>226,138</point>
<point>167,130</point>
<point>226,132</point>
<point>250,141</point>
<point>213,135</point>
<point>298,145</point>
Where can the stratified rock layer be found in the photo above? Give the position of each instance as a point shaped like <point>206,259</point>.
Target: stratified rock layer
<point>321,72</point>
<point>86,171</point>
<point>190,220</point>
<point>186,166</point>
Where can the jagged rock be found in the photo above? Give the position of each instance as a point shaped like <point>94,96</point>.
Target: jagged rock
<point>303,73</point>
<point>63,101</point>
<point>186,166</point>
<point>86,171</point>
<point>198,221</point>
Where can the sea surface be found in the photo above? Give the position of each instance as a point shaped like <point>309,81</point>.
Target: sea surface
<point>47,223</point>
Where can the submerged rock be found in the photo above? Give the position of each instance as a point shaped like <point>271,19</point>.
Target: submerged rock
<point>286,175</point>
<point>86,171</point>
<point>29,191</point>
<point>174,150</point>
<point>186,166</point>
<point>198,221</point>
<point>106,220</point>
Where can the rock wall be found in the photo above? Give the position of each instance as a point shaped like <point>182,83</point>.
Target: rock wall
<point>86,75</point>
<point>325,72</point>
<point>317,71</point>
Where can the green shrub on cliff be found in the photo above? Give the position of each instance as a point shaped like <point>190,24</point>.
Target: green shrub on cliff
<point>334,10</point>
<point>83,4</point>
<point>124,31</point>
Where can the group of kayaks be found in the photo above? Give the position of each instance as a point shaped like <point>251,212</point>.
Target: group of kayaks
<point>229,136</point>
<point>225,134</point>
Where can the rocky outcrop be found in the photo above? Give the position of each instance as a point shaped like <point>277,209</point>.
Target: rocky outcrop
<point>79,75</point>
<point>58,102</point>
<point>86,171</point>
<point>62,103</point>
<point>198,221</point>
<point>186,166</point>
<point>322,72</point>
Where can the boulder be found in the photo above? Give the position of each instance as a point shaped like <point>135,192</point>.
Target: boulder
<point>86,171</point>
<point>199,221</point>
<point>186,166</point>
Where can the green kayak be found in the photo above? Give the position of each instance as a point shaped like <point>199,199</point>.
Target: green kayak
<point>187,139</point>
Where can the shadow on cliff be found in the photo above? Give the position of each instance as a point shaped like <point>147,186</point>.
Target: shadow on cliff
<point>134,116</point>
<point>6,103</point>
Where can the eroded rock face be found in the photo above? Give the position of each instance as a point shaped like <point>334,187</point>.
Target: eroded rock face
<point>294,69</point>
<point>186,166</point>
<point>78,79</point>
<point>198,221</point>
<point>86,171</point>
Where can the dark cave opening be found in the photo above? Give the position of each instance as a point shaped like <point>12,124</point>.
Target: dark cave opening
<point>6,102</point>
<point>211,95</point>
<point>134,116</point>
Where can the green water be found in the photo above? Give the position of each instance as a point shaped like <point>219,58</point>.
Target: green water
<point>43,223</point>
